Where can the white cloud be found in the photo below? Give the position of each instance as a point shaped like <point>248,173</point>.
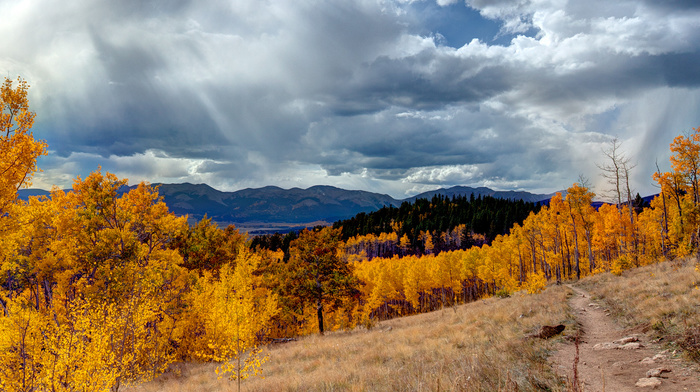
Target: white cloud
<point>456,174</point>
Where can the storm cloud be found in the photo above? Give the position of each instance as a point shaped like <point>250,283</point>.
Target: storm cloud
<point>391,96</point>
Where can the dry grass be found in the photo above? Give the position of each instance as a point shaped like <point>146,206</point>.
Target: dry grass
<point>661,298</point>
<point>474,347</point>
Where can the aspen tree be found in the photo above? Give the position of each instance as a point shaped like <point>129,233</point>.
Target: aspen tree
<point>579,200</point>
<point>18,148</point>
<point>227,316</point>
<point>685,161</point>
<point>101,268</point>
<point>18,154</point>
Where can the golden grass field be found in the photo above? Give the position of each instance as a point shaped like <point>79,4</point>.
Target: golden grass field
<point>472,347</point>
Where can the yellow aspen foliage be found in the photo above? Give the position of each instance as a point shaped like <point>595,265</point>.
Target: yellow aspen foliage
<point>404,244</point>
<point>427,242</point>
<point>21,344</point>
<point>449,269</point>
<point>18,148</point>
<point>383,289</point>
<point>620,264</point>
<point>685,161</point>
<point>660,225</point>
<point>565,239</point>
<point>653,234</point>
<point>504,250</point>
<point>348,316</point>
<point>579,200</point>
<point>412,281</point>
<point>88,346</point>
<point>18,154</point>
<point>95,268</point>
<point>536,283</point>
<point>606,233</point>
<point>470,262</point>
<point>227,317</point>
<point>77,350</point>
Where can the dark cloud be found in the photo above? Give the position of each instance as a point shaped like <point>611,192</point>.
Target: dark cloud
<point>680,69</point>
<point>674,5</point>
<point>425,81</point>
<point>354,93</point>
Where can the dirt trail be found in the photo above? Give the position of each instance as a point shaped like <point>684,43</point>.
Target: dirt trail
<point>609,363</point>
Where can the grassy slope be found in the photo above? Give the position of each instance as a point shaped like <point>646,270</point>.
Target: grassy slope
<point>474,347</point>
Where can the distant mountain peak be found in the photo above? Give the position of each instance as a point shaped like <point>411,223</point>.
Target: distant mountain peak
<point>274,208</point>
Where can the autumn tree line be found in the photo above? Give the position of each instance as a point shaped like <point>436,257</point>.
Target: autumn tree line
<point>100,289</point>
<point>425,226</point>
<point>440,223</point>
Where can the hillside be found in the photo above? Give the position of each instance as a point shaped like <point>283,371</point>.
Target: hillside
<point>475,347</point>
<point>480,346</point>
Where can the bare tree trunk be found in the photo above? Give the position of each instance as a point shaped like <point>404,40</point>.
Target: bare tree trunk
<point>576,252</point>
<point>319,307</point>
<point>664,221</point>
<point>663,200</point>
<point>626,173</point>
<point>591,259</point>
<point>520,262</point>
<point>614,173</point>
<point>48,293</point>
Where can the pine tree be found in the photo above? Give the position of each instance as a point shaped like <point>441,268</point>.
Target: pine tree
<point>317,272</point>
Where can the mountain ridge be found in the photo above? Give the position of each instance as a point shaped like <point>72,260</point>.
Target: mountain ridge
<point>274,208</point>
<point>460,190</point>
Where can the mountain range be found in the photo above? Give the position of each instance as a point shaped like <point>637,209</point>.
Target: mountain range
<point>270,209</point>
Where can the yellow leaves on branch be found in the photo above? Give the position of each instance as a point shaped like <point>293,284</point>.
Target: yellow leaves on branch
<point>18,154</point>
<point>536,283</point>
<point>226,317</point>
<point>18,149</point>
<point>93,281</point>
<point>96,287</point>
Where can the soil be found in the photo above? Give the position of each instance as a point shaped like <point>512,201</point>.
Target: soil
<point>606,362</point>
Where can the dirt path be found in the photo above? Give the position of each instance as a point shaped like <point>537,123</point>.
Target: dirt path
<point>616,360</point>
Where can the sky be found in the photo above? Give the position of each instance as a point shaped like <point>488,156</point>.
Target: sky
<point>389,96</point>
